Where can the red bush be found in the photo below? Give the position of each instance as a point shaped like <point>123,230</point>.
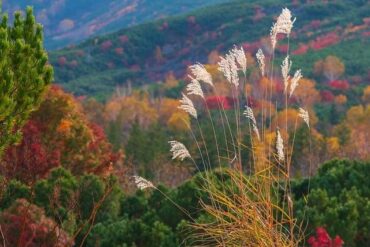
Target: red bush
<point>106,45</point>
<point>119,50</point>
<point>324,41</point>
<point>339,84</point>
<point>252,47</point>
<point>283,48</point>
<point>123,39</point>
<point>222,102</point>
<point>302,49</point>
<point>73,63</point>
<point>62,61</point>
<point>366,34</point>
<point>80,53</point>
<point>327,96</point>
<point>191,19</point>
<point>322,239</point>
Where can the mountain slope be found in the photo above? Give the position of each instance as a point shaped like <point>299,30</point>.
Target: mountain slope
<point>69,21</point>
<point>145,53</point>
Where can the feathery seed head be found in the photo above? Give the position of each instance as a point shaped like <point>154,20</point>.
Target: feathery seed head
<point>294,82</point>
<point>194,87</point>
<point>248,112</point>
<point>261,61</point>
<point>284,24</point>
<point>279,146</point>
<point>142,183</point>
<point>179,150</point>
<point>285,68</point>
<point>228,67</point>
<point>305,116</point>
<point>240,58</point>
<point>201,74</point>
<point>188,106</point>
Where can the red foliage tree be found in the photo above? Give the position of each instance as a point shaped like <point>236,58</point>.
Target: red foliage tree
<point>30,160</point>
<point>59,134</point>
<point>24,224</point>
<point>322,239</point>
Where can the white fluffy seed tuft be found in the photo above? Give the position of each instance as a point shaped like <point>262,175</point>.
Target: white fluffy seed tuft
<point>285,68</point>
<point>284,25</point>
<point>279,146</point>
<point>142,183</point>
<point>240,58</point>
<point>294,82</point>
<point>179,150</point>
<point>188,106</point>
<point>194,88</point>
<point>201,74</point>
<point>261,61</point>
<point>248,112</point>
<point>228,67</point>
<point>304,115</point>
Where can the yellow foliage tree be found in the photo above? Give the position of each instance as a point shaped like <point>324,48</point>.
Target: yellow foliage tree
<point>355,129</point>
<point>331,67</point>
<point>179,121</point>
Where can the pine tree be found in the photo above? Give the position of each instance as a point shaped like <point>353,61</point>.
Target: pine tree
<point>24,74</point>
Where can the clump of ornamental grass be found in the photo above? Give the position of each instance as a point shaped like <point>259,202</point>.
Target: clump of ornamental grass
<point>253,206</point>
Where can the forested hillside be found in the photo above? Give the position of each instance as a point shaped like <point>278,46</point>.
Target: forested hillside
<point>70,21</point>
<point>146,53</point>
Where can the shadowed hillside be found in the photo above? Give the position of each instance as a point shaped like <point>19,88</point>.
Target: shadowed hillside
<point>146,52</point>
<point>69,21</point>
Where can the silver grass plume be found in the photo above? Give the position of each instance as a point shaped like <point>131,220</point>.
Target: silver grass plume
<point>284,24</point>
<point>201,74</point>
<point>279,146</point>
<point>294,82</point>
<point>228,67</point>
<point>240,58</point>
<point>261,61</point>
<point>285,68</point>
<point>142,183</point>
<point>188,106</point>
<point>179,150</point>
<point>304,115</point>
<point>249,114</point>
<point>194,87</point>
